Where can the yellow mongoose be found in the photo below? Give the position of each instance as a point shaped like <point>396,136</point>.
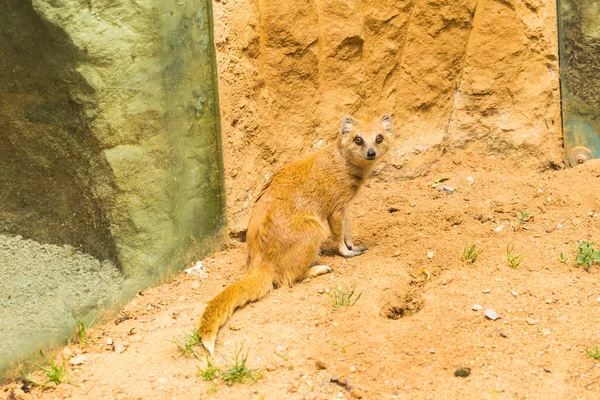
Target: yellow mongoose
<point>290,218</point>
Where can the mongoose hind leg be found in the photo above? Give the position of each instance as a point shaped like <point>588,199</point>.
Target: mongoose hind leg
<point>317,270</point>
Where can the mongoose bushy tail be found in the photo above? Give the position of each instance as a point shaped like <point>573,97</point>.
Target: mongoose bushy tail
<point>299,206</point>
<point>253,286</point>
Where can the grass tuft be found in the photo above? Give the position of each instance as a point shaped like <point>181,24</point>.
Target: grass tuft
<point>343,297</point>
<point>238,372</point>
<point>514,260</point>
<point>470,254</point>
<point>210,372</point>
<point>81,331</point>
<point>186,346</point>
<point>56,373</point>
<point>594,352</point>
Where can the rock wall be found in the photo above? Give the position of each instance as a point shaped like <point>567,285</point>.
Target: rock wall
<point>477,74</point>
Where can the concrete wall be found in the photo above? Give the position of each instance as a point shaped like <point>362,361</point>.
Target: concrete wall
<point>110,132</point>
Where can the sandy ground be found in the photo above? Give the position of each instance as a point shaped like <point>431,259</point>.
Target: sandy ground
<point>414,324</point>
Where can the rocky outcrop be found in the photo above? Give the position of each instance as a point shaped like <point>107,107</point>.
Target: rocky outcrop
<point>478,74</point>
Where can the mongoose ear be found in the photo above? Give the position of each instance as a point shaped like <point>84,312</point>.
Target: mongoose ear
<point>347,124</point>
<point>386,120</point>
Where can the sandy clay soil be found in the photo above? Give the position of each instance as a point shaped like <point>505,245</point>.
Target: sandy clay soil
<point>415,322</point>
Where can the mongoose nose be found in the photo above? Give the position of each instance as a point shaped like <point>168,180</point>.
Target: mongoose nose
<point>371,154</point>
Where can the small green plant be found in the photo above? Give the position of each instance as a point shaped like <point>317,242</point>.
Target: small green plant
<point>81,331</point>
<point>593,352</point>
<point>470,254</point>
<point>587,255</point>
<point>343,297</point>
<point>514,260</point>
<point>284,358</point>
<point>212,389</point>
<point>210,372</point>
<point>523,217</point>
<point>56,373</point>
<point>562,258</point>
<point>238,372</point>
<point>186,346</point>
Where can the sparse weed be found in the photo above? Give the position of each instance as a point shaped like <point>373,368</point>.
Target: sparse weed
<point>189,341</point>
<point>514,260</point>
<point>284,358</point>
<point>562,258</point>
<point>342,297</point>
<point>210,372</point>
<point>212,389</point>
<point>81,331</point>
<point>593,352</point>
<point>587,255</point>
<point>56,373</point>
<point>470,254</point>
<point>238,372</point>
<point>523,217</point>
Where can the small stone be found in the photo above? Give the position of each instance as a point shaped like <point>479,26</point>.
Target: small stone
<point>462,372</point>
<point>487,290</point>
<point>197,269</point>
<point>491,314</point>
<point>545,331</point>
<point>120,346</point>
<point>195,285</point>
<point>598,299</point>
<point>470,180</point>
<point>476,307</point>
<point>270,367</point>
<point>550,300</point>
<point>109,341</point>
<point>78,360</point>
<point>447,189</point>
<point>320,290</point>
<point>446,279</point>
<point>352,369</point>
<point>532,321</point>
<point>498,228</point>
<point>67,352</point>
<point>514,293</point>
<point>430,254</point>
<point>280,349</point>
<point>320,364</point>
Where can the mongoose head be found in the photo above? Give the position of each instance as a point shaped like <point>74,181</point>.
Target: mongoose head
<point>363,141</point>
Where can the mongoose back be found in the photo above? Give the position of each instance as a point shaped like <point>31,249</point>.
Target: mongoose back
<point>291,215</point>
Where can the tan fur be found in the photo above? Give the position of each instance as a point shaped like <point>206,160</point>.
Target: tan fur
<point>291,216</point>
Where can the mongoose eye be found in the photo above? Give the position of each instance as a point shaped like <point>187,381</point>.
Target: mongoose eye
<point>358,140</point>
<point>379,138</point>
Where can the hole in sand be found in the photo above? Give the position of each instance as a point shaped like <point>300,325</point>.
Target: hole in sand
<point>399,306</point>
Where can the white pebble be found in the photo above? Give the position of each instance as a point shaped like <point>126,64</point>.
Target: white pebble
<point>476,307</point>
